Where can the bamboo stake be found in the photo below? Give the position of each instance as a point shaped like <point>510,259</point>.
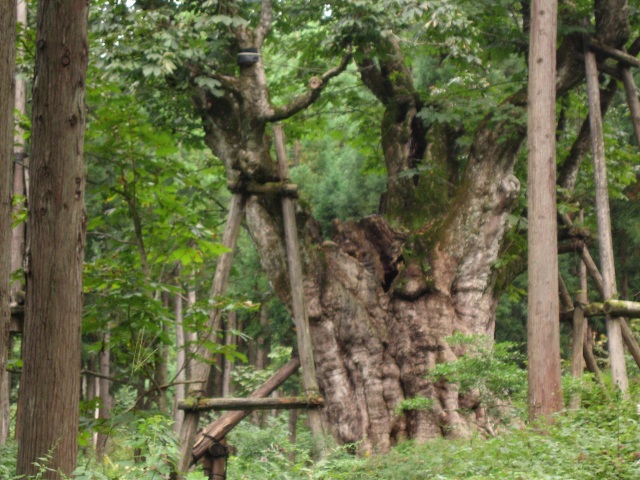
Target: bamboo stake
<point>305,347</point>
<point>614,330</point>
<point>201,367</point>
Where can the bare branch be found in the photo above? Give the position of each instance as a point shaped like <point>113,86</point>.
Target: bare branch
<point>316,85</point>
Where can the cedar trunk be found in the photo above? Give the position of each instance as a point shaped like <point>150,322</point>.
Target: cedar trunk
<point>50,383</point>
<point>7,86</point>
<point>543,329</point>
<point>385,293</point>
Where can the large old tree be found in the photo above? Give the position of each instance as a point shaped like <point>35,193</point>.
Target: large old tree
<point>385,292</point>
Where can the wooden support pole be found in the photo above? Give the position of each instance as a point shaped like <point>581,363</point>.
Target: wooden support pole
<point>579,327</point>
<point>565,296</point>
<point>632,100</point>
<point>279,403</point>
<point>218,429</point>
<point>627,335</point>
<point>296,280</point>
<point>614,330</point>
<point>614,53</point>
<point>201,363</point>
<point>268,188</point>
<point>622,307</point>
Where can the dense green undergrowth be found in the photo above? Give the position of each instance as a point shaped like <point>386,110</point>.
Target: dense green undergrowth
<point>601,440</point>
<point>596,442</point>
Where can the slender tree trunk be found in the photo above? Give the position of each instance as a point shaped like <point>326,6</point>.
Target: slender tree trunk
<point>104,413</point>
<point>632,100</point>
<point>181,364</point>
<point>19,187</point>
<point>605,243</point>
<point>293,432</point>
<point>7,86</point>
<point>579,328</point>
<point>160,364</point>
<point>543,343</point>
<point>229,340</point>
<point>262,347</point>
<point>18,234</point>
<point>91,390</point>
<point>50,383</point>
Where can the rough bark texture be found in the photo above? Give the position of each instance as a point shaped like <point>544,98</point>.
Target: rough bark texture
<point>50,384</point>
<point>543,328</point>
<point>384,294</point>
<point>7,86</point>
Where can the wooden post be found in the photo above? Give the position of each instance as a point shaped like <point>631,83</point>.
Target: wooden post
<point>309,380</point>
<point>614,330</point>
<point>201,367</point>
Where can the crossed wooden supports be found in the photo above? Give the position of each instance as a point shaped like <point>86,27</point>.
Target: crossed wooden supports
<point>208,444</point>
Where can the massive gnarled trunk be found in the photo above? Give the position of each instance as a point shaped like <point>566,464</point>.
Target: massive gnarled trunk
<point>387,291</point>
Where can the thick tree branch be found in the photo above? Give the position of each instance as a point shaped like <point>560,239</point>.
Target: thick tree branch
<point>316,85</point>
<point>377,78</point>
<point>372,78</point>
<point>264,25</point>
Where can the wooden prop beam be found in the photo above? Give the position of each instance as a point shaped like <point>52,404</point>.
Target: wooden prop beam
<point>268,188</point>
<point>619,55</point>
<point>280,403</point>
<point>605,243</point>
<point>296,280</point>
<point>216,431</point>
<point>592,269</point>
<point>632,100</point>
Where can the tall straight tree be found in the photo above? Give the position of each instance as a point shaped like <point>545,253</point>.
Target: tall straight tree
<point>50,383</point>
<point>545,390</point>
<point>7,85</point>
